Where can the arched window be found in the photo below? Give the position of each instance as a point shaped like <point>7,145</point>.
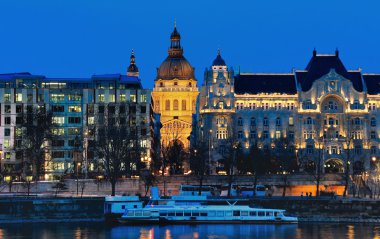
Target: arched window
<point>357,121</point>
<point>309,120</point>
<point>253,121</point>
<point>221,105</point>
<point>240,121</point>
<point>278,121</point>
<point>175,105</point>
<point>356,105</point>
<point>265,121</point>
<point>373,121</point>
<point>183,104</point>
<point>331,121</point>
<point>161,84</point>
<point>193,105</point>
<point>167,105</point>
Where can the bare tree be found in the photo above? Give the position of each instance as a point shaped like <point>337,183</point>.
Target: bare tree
<point>233,150</point>
<point>116,146</point>
<point>199,164</point>
<point>348,141</point>
<point>37,132</point>
<point>285,162</point>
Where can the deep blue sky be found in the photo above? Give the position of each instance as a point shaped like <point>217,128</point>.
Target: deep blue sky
<point>78,38</point>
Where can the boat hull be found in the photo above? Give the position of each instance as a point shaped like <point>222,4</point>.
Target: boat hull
<point>135,221</point>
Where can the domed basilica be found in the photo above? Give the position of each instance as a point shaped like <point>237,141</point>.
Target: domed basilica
<point>175,93</point>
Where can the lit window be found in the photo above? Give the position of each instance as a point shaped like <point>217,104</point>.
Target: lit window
<point>74,97</point>
<point>58,120</point>
<point>57,97</point>
<point>175,105</point>
<point>132,98</point>
<point>111,98</point>
<point>19,97</point>
<point>123,98</point>
<point>143,98</point>
<point>101,98</point>
<point>58,131</point>
<point>75,108</point>
<point>7,97</point>
<point>291,122</point>
<point>91,120</point>
<point>6,143</point>
<point>221,105</point>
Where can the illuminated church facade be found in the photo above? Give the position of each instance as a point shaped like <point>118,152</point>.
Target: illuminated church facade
<point>174,94</point>
<point>323,112</point>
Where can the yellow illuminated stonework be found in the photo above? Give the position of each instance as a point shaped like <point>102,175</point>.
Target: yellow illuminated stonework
<point>175,93</point>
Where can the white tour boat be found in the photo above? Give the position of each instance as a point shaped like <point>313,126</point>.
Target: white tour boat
<point>197,209</point>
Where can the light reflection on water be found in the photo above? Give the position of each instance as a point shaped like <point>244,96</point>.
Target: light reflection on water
<point>223,231</point>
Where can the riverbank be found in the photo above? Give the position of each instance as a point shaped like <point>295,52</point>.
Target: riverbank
<point>90,209</point>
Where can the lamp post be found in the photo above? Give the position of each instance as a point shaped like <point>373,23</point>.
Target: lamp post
<point>209,152</point>
<point>85,154</point>
<point>77,167</point>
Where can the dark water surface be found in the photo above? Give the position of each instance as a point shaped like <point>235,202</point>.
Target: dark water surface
<point>99,230</point>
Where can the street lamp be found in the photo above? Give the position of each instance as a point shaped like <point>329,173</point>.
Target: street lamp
<point>77,167</point>
<point>209,152</point>
<point>85,153</point>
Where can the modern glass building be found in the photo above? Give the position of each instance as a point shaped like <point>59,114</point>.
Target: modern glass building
<point>77,105</point>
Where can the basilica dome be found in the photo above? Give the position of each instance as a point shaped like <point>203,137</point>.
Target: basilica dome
<point>175,65</point>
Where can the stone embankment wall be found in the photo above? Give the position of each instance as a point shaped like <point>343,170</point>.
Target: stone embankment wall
<point>170,185</point>
<point>22,209</point>
<point>326,209</point>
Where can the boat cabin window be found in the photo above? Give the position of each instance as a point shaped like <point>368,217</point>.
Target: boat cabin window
<point>211,213</point>
<point>123,207</point>
<point>253,214</point>
<point>236,213</point>
<point>163,214</point>
<point>219,214</point>
<point>228,213</point>
<point>138,213</point>
<point>131,213</point>
<point>195,214</point>
<point>171,214</point>
<point>203,214</point>
<point>269,214</point>
<point>179,214</point>
<point>244,213</point>
<point>187,214</point>
<point>275,214</point>
<point>261,214</point>
<point>146,213</point>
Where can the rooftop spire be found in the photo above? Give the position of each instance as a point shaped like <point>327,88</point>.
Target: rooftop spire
<point>219,60</point>
<point>175,49</point>
<point>132,69</point>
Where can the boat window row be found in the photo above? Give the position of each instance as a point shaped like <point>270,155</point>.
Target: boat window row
<point>218,213</point>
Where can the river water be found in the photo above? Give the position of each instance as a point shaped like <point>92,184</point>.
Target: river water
<point>80,230</point>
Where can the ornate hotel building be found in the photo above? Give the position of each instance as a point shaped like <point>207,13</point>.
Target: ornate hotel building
<point>324,111</point>
<point>175,93</point>
<point>78,105</point>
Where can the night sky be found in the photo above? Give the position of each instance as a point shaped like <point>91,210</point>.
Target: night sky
<point>78,38</point>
